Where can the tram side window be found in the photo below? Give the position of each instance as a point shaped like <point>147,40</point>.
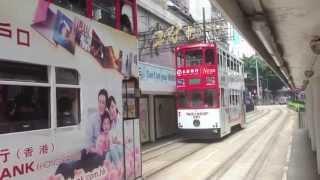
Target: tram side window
<point>193,57</point>
<point>228,62</point>
<point>127,19</point>
<point>78,6</point>
<point>68,97</point>
<point>105,12</point>
<point>23,107</point>
<point>209,56</point>
<point>232,64</point>
<point>237,67</point>
<point>222,97</point>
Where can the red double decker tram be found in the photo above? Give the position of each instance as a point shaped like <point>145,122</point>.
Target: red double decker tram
<point>210,88</point>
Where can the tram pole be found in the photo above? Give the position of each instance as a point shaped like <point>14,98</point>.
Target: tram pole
<point>204,25</point>
<point>258,84</point>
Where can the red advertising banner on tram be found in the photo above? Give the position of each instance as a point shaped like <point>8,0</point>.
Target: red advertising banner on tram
<point>203,76</point>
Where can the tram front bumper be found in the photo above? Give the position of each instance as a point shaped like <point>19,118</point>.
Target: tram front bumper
<point>212,133</point>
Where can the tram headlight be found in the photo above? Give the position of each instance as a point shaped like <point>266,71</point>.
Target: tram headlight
<point>215,130</point>
<point>180,82</point>
<point>210,80</point>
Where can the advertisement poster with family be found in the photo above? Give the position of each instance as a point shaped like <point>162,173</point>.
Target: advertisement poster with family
<point>112,148</point>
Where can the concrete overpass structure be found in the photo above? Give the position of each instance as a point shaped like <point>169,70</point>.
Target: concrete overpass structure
<point>286,34</point>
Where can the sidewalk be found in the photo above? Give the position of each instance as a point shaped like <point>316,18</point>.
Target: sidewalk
<point>302,165</point>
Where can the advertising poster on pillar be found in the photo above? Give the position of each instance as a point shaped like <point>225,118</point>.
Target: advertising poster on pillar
<point>99,144</point>
<point>132,149</point>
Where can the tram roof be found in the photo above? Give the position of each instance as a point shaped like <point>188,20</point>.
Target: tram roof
<point>195,45</point>
<point>203,45</point>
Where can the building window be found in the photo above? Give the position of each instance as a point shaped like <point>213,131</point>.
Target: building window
<point>24,97</point>
<point>193,57</point>
<point>78,6</point>
<point>68,97</point>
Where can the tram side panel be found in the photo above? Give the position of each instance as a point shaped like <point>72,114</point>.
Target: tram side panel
<point>38,154</point>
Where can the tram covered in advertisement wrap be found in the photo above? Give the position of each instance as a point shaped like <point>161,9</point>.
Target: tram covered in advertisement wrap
<point>69,90</point>
<point>210,91</point>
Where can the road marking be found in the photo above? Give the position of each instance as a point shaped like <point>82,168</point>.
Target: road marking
<point>286,167</point>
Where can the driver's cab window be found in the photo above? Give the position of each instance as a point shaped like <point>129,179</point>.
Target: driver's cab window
<point>193,57</point>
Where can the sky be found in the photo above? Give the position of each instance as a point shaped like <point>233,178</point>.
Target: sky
<point>196,9</point>
<point>242,47</point>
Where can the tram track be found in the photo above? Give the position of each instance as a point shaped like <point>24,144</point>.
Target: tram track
<point>162,151</point>
<point>182,158</point>
<point>170,164</point>
<point>258,163</point>
<point>228,163</point>
<point>173,146</point>
<point>257,116</point>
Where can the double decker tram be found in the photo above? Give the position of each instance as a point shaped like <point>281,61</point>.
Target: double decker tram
<point>209,91</point>
<point>69,90</point>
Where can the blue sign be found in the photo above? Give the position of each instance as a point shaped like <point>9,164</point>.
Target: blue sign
<point>148,72</point>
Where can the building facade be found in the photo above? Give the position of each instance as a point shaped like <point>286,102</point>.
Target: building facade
<point>157,67</point>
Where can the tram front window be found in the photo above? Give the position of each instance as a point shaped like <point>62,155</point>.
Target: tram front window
<point>196,99</point>
<point>180,62</point>
<point>211,98</point>
<point>193,57</point>
<point>182,99</point>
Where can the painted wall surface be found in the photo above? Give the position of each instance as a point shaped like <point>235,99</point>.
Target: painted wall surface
<point>144,120</point>
<point>31,44</point>
<point>165,116</point>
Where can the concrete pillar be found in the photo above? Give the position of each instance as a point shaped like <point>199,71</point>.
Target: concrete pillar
<point>308,112</point>
<point>309,118</point>
<point>152,119</point>
<point>316,114</point>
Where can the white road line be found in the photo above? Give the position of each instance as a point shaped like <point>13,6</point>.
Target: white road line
<point>286,167</point>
